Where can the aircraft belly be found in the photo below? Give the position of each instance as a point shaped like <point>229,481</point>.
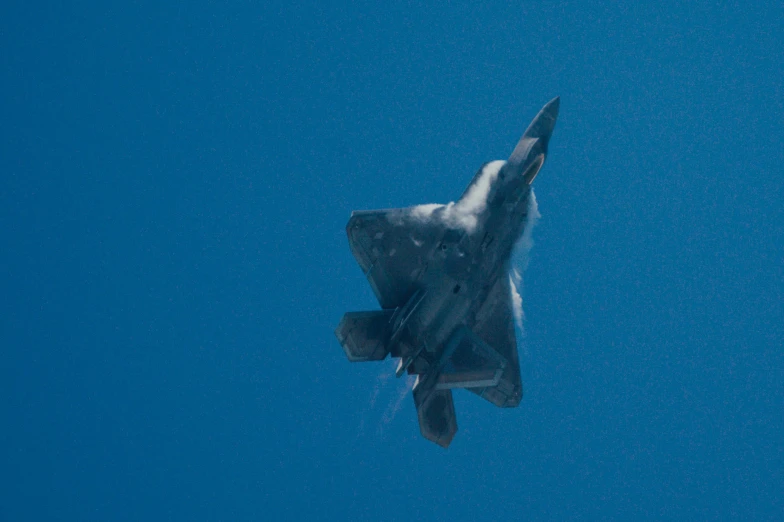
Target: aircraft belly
<point>440,274</point>
<point>444,307</point>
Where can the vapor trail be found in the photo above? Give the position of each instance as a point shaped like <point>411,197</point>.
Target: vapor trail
<point>463,214</point>
<point>520,259</point>
<point>394,406</point>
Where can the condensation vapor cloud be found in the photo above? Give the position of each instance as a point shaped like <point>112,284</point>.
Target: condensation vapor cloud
<point>520,258</point>
<point>394,406</point>
<point>385,400</point>
<point>464,213</point>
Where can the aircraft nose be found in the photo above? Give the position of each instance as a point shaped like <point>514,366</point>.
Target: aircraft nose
<point>543,124</point>
<point>552,106</point>
<point>534,141</point>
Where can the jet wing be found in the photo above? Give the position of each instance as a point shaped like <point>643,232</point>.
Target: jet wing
<point>495,326</point>
<point>392,247</point>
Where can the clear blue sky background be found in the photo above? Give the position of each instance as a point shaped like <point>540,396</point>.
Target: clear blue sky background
<point>176,179</point>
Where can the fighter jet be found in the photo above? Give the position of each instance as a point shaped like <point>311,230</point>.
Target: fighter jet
<point>441,275</point>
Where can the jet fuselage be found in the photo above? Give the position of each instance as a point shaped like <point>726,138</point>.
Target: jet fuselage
<point>466,264</point>
<point>441,276</point>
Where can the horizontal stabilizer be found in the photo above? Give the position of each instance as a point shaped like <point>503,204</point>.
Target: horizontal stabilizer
<point>364,335</point>
<point>436,413</point>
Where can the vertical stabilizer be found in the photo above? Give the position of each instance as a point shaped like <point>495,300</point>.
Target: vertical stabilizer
<point>436,413</point>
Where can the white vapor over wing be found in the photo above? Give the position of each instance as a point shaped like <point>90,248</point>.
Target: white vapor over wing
<point>517,299</point>
<point>425,212</point>
<point>526,242</point>
<point>463,214</point>
<point>520,259</point>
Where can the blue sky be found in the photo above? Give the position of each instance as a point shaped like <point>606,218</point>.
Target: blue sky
<point>176,180</point>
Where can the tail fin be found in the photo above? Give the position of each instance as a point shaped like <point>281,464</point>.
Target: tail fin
<point>436,413</point>
<point>364,335</point>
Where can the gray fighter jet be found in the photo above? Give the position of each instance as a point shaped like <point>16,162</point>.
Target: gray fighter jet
<point>441,276</point>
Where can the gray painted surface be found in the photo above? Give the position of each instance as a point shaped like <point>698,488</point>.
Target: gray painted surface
<point>441,276</point>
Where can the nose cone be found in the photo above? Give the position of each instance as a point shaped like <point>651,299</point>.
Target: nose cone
<point>536,136</point>
<point>542,126</point>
